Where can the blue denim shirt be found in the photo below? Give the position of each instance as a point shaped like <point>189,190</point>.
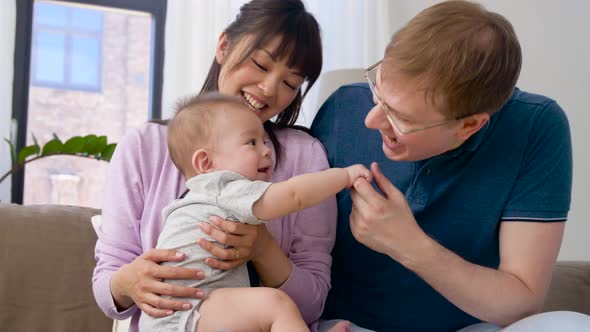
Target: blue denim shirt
<point>517,168</point>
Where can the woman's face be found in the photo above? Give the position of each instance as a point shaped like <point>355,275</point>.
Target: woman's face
<point>266,84</point>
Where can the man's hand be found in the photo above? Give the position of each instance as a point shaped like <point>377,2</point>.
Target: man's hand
<point>383,223</point>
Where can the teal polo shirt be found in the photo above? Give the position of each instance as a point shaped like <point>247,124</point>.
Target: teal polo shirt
<point>517,168</point>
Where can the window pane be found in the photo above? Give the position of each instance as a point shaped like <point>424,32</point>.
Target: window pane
<point>50,14</point>
<point>85,62</point>
<point>117,59</point>
<point>86,19</point>
<point>50,57</point>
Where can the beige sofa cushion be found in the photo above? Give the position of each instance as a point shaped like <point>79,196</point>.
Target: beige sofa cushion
<point>47,258</point>
<point>570,288</point>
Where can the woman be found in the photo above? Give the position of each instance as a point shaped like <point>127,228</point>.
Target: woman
<point>264,56</point>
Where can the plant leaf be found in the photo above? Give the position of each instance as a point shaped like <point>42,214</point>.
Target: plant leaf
<point>74,145</point>
<point>101,144</point>
<point>107,152</point>
<point>35,139</point>
<point>90,145</point>
<point>26,152</point>
<point>12,151</point>
<point>52,147</point>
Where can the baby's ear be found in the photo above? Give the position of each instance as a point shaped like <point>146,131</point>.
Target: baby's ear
<point>202,162</point>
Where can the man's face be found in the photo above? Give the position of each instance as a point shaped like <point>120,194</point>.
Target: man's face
<point>409,109</point>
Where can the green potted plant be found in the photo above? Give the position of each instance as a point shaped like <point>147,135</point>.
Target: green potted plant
<point>90,146</point>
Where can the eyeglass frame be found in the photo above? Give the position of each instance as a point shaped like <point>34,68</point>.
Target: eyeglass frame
<point>389,113</point>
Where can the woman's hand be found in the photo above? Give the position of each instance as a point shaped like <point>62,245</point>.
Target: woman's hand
<point>244,242</point>
<point>140,282</point>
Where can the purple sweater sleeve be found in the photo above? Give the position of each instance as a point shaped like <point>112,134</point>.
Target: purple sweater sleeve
<point>140,181</point>
<point>118,235</point>
<point>311,232</point>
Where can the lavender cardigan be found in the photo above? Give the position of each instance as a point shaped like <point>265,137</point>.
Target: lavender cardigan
<point>142,180</point>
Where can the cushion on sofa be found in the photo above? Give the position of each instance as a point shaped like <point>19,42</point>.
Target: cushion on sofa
<point>47,257</point>
<point>570,287</point>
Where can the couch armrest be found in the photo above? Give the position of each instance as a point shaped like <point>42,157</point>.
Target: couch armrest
<point>47,255</point>
<point>570,288</point>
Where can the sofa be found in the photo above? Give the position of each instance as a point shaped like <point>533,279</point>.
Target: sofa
<point>47,259</point>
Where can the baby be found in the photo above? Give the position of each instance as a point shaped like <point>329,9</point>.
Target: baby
<point>218,145</point>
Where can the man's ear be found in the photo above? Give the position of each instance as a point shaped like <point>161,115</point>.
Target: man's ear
<point>471,125</point>
<point>222,46</point>
<point>202,161</point>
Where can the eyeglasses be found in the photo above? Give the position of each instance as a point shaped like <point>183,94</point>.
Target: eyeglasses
<point>400,125</point>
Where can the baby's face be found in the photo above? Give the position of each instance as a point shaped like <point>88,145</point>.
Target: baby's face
<point>241,147</point>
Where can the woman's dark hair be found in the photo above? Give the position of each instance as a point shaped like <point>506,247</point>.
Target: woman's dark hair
<point>301,45</point>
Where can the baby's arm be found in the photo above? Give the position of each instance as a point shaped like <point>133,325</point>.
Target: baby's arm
<point>306,190</point>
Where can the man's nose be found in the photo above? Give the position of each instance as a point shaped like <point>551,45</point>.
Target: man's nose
<point>376,118</point>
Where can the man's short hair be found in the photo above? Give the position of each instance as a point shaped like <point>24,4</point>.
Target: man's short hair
<point>193,126</point>
<point>459,51</point>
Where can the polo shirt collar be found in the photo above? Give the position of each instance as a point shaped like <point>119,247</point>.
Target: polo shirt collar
<point>476,139</point>
<point>472,142</point>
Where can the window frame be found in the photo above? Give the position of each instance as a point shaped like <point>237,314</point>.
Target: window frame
<point>22,67</point>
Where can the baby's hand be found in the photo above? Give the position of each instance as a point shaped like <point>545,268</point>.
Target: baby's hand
<point>357,171</point>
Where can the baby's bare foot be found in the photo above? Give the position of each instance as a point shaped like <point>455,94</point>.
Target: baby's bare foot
<point>342,326</point>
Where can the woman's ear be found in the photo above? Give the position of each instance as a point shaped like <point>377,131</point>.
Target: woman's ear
<point>202,162</point>
<point>222,46</point>
<point>472,124</point>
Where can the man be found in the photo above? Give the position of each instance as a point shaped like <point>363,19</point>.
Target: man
<point>474,189</point>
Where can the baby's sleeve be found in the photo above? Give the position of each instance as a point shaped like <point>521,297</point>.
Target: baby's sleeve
<point>237,195</point>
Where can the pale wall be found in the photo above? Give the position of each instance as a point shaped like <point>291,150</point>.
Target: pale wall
<point>7,29</point>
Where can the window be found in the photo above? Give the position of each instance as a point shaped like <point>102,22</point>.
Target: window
<point>82,67</point>
<point>66,47</point>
